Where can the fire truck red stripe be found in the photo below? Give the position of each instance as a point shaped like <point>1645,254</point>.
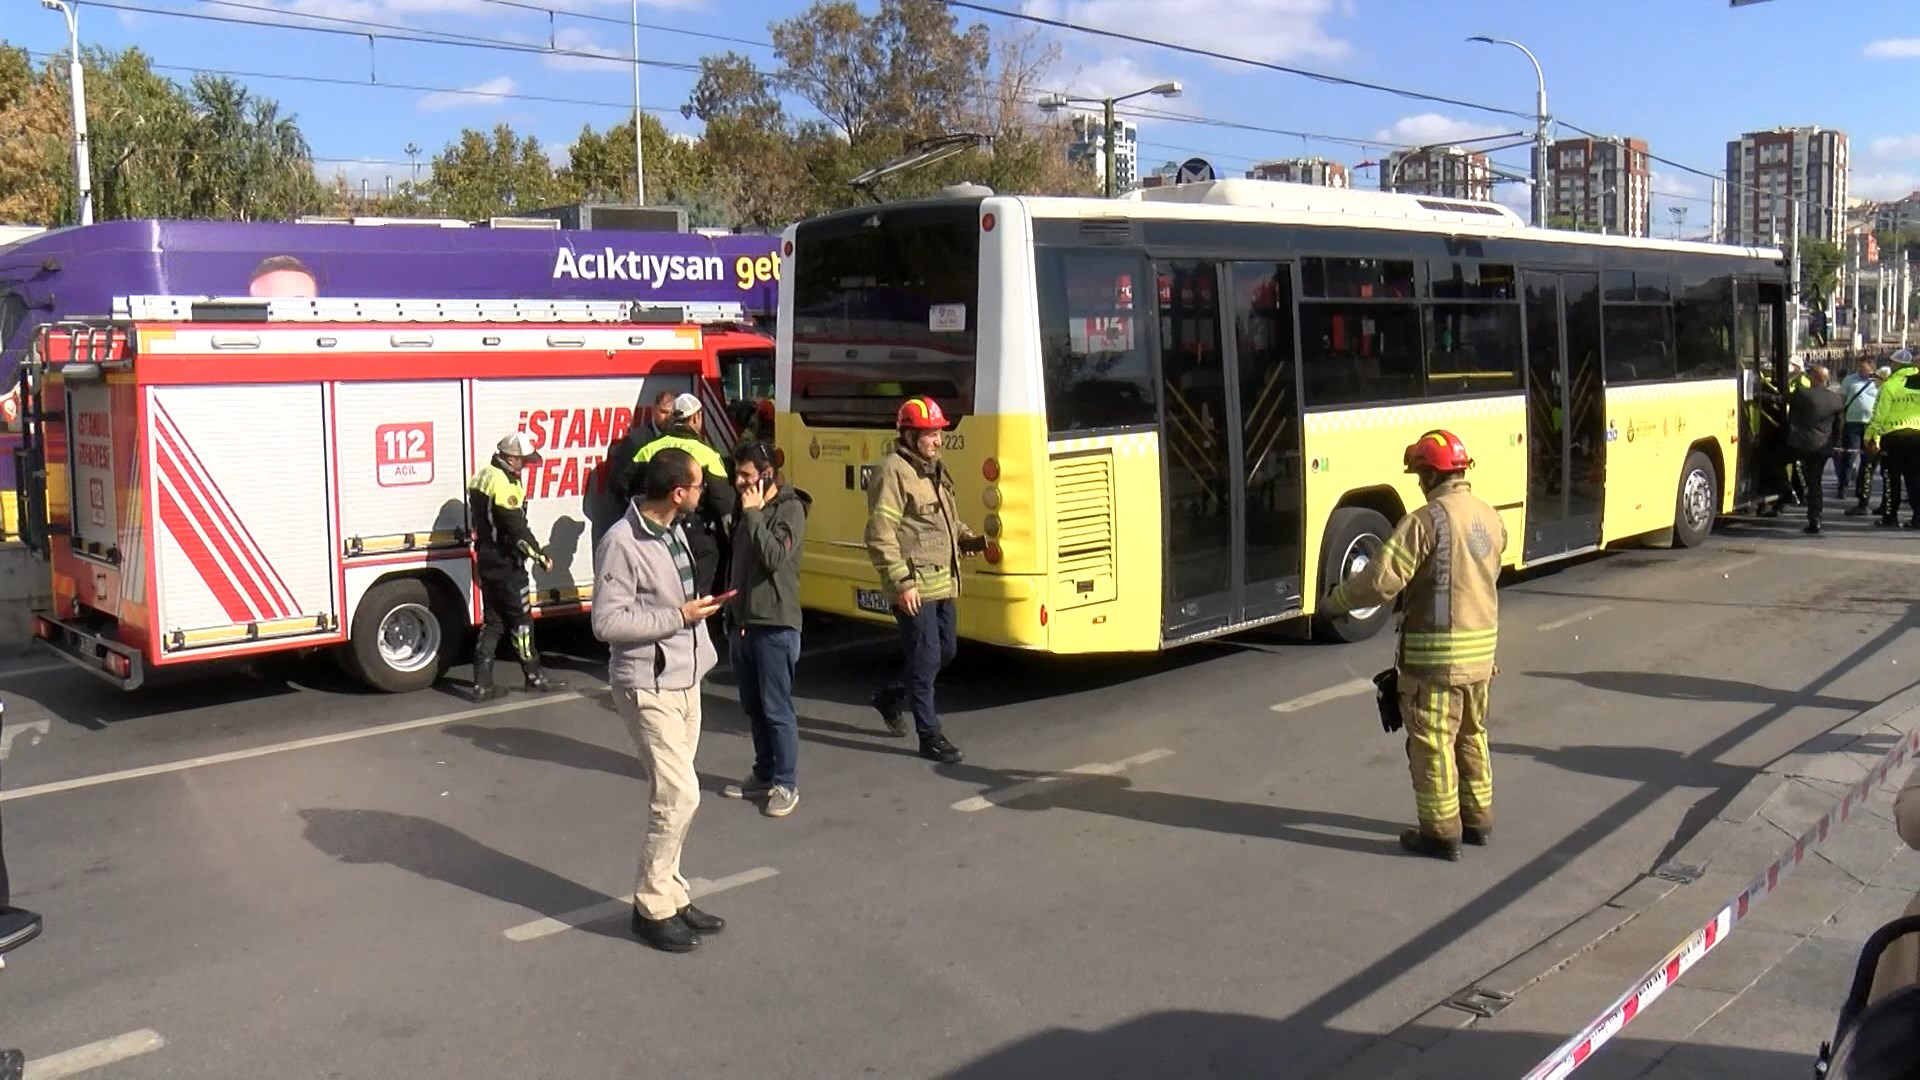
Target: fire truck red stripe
<point>255,561</point>
<point>174,517</point>
<point>227,559</point>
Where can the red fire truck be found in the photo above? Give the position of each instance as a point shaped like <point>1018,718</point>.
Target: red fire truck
<point>230,477</point>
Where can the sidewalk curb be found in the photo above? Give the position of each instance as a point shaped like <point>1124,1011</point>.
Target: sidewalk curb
<point>1844,753</point>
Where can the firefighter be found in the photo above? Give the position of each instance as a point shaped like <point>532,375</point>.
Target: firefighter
<point>1446,555</point>
<point>707,528</point>
<point>916,540</point>
<point>497,506</point>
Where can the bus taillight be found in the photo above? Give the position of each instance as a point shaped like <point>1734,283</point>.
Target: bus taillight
<point>990,469</point>
<point>993,553</point>
<point>986,222</point>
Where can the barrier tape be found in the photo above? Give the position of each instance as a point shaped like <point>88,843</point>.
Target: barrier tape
<point>1575,1051</point>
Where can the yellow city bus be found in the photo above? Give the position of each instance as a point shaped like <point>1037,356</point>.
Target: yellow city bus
<point>1181,414</point>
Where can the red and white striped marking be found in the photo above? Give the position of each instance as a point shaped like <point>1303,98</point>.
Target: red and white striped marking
<point>1575,1051</point>
<point>215,540</point>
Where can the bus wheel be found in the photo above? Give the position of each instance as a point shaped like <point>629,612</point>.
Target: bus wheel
<point>1355,537</point>
<point>1697,504</point>
<point>399,640</point>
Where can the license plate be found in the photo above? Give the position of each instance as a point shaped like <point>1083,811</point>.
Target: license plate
<point>871,600</point>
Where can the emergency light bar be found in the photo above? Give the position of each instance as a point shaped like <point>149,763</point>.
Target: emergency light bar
<point>350,310</point>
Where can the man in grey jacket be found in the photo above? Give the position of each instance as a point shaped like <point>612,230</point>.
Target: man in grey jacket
<point>648,610</point>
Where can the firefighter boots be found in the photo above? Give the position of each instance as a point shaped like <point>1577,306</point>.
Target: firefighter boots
<point>1433,847</point>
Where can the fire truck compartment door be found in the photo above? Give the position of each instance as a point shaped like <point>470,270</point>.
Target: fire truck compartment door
<point>403,474</point>
<point>245,512</point>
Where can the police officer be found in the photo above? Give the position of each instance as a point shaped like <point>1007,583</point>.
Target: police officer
<point>1446,556</point>
<point>1895,431</point>
<point>916,539</point>
<point>707,527</point>
<point>503,542</point>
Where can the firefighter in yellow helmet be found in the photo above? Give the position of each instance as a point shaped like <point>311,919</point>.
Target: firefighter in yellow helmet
<point>1446,556</point>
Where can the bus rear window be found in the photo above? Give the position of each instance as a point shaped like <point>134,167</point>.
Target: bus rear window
<point>886,306</point>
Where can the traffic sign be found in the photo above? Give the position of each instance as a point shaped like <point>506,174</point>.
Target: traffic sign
<point>1195,171</point>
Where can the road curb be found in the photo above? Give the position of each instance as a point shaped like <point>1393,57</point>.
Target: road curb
<point>1843,753</point>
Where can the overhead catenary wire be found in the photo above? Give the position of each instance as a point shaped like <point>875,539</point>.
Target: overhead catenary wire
<point>564,13</point>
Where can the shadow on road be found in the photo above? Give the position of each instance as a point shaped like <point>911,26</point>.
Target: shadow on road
<point>425,847</point>
<point>1210,1044</point>
<point>1675,687</point>
<point>532,744</point>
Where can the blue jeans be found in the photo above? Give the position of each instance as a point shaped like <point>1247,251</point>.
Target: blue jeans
<point>927,644</point>
<point>763,661</point>
<point>1852,440</point>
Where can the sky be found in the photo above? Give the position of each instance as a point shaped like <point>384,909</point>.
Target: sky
<point>1686,75</point>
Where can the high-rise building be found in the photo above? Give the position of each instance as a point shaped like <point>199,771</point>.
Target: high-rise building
<point>1602,184</point>
<point>1313,170</point>
<point>1089,148</point>
<point>1769,171</point>
<point>1448,171</point>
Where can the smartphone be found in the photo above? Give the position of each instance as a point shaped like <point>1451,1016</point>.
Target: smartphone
<point>728,595</point>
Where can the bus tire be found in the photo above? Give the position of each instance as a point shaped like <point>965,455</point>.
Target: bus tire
<point>400,640</point>
<point>1354,537</point>
<point>1697,503</point>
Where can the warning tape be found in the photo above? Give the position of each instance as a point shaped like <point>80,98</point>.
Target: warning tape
<point>1575,1051</point>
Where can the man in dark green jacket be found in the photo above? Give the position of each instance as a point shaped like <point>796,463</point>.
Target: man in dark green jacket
<point>763,621</point>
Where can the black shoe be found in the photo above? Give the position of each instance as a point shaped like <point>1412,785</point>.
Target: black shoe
<point>1769,511</point>
<point>544,684</point>
<point>700,922</point>
<point>667,935</point>
<point>13,1065</point>
<point>489,692</point>
<point>886,702</point>
<point>1813,528</point>
<point>935,747</point>
<point>1477,835</point>
<point>1431,846</point>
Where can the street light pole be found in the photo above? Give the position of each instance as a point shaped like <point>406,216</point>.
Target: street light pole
<point>640,171</point>
<point>1542,124</point>
<point>76,80</point>
<point>1053,102</point>
<point>1109,141</point>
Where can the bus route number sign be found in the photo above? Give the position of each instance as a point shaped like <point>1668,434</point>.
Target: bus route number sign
<point>403,454</point>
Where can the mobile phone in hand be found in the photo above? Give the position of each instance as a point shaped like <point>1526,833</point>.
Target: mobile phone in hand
<point>726,596</point>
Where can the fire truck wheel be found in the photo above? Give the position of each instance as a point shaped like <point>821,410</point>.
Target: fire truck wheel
<point>399,639</point>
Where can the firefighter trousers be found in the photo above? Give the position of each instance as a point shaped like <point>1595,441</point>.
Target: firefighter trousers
<point>1448,756</point>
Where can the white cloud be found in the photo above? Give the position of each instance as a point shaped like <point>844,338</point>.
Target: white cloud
<point>1893,49</point>
<point>1430,129</point>
<point>1880,186</point>
<point>1120,74</point>
<point>1681,184</point>
<point>1895,148</point>
<point>479,94</point>
<point>1271,30</point>
<point>1517,197</point>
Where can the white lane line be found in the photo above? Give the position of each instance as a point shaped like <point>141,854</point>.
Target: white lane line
<point>1057,780</point>
<point>94,1055</point>
<point>286,747</point>
<point>1577,616</point>
<point>1331,693</point>
<point>699,888</point>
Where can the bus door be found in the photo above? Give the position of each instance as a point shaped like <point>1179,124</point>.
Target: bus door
<point>1566,415</point>
<point>1230,438</point>
<point>1761,349</point>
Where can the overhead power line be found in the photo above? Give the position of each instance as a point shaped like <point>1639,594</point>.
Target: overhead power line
<point>550,13</point>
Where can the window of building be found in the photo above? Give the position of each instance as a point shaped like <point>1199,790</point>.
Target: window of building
<point>1472,348</point>
<point>1096,335</point>
<point>1360,353</point>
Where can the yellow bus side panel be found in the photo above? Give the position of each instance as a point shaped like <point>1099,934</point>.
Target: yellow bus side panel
<point>1000,603</point>
<point>1106,489</point>
<point>1649,431</point>
<point>1360,449</point>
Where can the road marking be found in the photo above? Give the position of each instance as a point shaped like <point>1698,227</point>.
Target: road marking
<point>697,888</point>
<point>94,1055</point>
<point>1331,693</point>
<point>286,747</point>
<point>39,727</point>
<point>1577,616</point>
<point>1057,780</point>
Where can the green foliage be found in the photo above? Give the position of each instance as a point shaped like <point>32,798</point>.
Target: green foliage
<point>1819,270</point>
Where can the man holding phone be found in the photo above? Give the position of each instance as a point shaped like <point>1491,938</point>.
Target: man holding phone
<point>764,622</point>
<point>648,609</point>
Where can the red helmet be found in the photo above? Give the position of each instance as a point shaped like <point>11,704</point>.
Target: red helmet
<point>920,414</point>
<point>1440,451</point>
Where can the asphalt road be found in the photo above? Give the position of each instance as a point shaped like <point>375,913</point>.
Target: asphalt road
<point>1180,865</point>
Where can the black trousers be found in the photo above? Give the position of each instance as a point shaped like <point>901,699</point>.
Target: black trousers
<point>1813,466</point>
<point>503,612</point>
<point>1902,451</point>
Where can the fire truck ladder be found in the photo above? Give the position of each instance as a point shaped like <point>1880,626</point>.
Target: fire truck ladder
<point>230,309</point>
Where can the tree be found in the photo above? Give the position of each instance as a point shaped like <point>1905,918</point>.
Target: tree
<point>1819,270</point>
<point>31,130</point>
<point>480,175</point>
<point>600,166</point>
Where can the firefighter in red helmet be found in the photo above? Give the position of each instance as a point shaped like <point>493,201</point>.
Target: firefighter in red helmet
<point>916,540</point>
<point>1446,557</point>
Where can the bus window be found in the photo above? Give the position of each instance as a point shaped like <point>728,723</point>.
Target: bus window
<point>886,305</point>
<point>1638,342</point>
<point>1703,327</point>
<point>1360,353</point>
<point>1472,348</point>
<point>1094,338</point>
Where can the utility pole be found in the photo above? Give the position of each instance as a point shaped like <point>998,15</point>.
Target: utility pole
<point>413,158</point>
<point>1853,309</point>
<point>76,81</point>
<point>1107,140</point>
<point>1793,286</point>
<point>1906,295</point>
<point>1542,125</point>
<point>639,152</point>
